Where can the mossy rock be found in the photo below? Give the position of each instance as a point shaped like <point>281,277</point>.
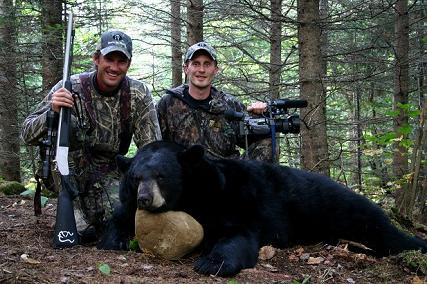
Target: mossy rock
<point>11,187</point>
<point>48,193</point>
<point>32,185</point>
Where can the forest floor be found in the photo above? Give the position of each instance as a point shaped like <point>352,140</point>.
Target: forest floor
<point>27,256</point>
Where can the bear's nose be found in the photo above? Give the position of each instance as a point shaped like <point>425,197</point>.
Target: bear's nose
<point>144,200</point>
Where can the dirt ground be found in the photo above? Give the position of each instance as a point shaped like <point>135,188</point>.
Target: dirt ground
<point>26,256</point>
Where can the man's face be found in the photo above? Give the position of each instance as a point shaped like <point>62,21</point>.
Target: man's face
<point>201,70</point>
<point>112,68</point>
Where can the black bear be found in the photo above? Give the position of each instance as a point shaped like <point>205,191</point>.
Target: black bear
<point>243,205</point>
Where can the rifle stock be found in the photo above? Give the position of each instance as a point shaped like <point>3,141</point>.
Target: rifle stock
<point>65,234</point>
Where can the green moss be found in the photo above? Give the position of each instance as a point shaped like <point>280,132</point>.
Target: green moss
<point>11,187</point>
<point>48,193</point>
<point>133,245</point>
<point>414,260</point>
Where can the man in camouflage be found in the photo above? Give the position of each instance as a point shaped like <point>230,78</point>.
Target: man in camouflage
<point>109,109</point>
<point>194,113</point>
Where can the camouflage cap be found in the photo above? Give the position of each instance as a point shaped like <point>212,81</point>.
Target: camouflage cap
<point>115,40</point>
<point>200,46</point>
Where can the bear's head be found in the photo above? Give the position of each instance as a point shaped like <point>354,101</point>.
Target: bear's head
<point>162,174</point>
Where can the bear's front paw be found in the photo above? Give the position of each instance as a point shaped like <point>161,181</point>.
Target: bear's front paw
<point>113,243</point>
<point>216,265</point>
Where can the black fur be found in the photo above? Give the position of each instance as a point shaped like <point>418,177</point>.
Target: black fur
<point>243,205</point>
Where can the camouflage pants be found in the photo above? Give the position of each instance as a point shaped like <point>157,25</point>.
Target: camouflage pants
<point>98,196</point>
<point>97,200</point>
<point>262,151</point>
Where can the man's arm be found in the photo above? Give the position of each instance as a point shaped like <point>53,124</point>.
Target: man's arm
<point>146,125</point>
<point>34,126</point>
<point>161,109</point>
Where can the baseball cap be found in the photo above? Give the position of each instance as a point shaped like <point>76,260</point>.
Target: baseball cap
<point>200,46</point>
<point>115,40</point>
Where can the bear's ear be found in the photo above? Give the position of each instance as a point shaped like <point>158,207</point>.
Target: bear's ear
<point>123,163</point>
<point>192,155</point>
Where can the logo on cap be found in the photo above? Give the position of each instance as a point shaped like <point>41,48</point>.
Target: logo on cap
<point>198,47</point>
<point>115,41</point>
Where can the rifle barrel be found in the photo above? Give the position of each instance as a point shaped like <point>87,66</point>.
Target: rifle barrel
<point>68,46</point>
<point>64,126</point>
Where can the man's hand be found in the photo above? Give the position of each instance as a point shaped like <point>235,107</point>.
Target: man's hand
<point>257,107</point>
<point>61,98</point>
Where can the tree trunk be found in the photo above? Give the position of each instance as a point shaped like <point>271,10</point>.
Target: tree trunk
<point>357,136</point>
<point>9,130</point>
<point>275,69</point>
<point>52,42</point>
<point>275,48</point>
<point>323,13</point>
<point>412,203</point>
<point>401,87</point>
<point>176,42</point>
<point>194,21</point>
<point>314,154</point>
<point>419,185</point>
<point>422,94</point>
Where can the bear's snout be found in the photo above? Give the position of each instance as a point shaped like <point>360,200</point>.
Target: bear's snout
<point>145,199</point>
<point>149,196</point>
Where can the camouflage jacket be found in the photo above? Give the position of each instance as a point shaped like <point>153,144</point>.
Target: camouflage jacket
<point>103,141</point>
<point>184,121</point>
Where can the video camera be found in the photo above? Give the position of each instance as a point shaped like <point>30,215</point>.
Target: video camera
<point>277,115</point>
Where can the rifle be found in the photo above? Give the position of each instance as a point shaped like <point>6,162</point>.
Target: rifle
<point>65,227</point>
